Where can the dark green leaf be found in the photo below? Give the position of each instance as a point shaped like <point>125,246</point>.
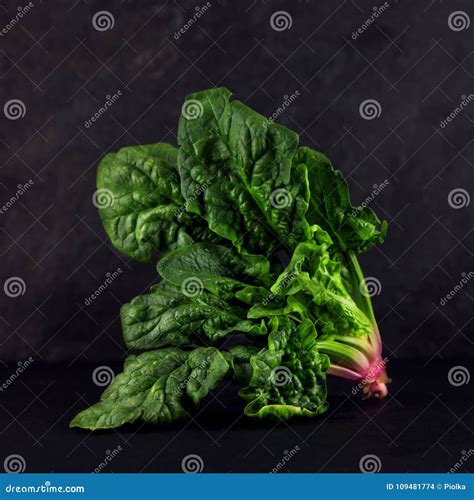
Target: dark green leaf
<point>254,197</point>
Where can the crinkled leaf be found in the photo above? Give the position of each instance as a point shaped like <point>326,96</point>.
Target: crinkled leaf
<point>254,197</point>
<point>152,387</point>
<point>216,268</point>
<point>289,377</point>
<point>168,316</point>
<point>140,202</point>
<point>351,228</point>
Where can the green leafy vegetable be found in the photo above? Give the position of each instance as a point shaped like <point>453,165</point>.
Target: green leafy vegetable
<point>261,284</point>
<point>255,198</point>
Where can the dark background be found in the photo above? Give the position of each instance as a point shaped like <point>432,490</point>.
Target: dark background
<point>62,69</point>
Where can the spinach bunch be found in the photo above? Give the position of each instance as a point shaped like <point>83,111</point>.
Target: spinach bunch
<point>260,282</point>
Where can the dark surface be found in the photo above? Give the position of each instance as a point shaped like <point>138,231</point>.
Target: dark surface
<point>423,426</point>
<point>62,69</point>
<point>410,61</point>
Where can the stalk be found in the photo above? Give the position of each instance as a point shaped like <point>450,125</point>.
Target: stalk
<point>357,358</point>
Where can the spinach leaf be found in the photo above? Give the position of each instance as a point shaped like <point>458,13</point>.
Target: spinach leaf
<point>255,198</point>
<point>288,378</point>
<point>214,267</point>
<point>169,315</point>
<point>140,202</point>
<point>153,386</point>
<point>351,228</point>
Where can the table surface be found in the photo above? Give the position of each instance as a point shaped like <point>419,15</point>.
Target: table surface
<point>425,425</point>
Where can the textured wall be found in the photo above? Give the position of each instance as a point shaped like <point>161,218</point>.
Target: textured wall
<point>414,61</point>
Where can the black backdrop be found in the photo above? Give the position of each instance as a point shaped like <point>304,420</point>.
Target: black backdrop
<point>413,63</point>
